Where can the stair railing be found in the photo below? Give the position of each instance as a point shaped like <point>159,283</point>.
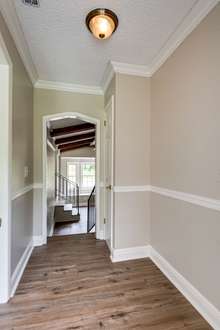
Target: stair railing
<point>91,211</point>
<point>67,190</point>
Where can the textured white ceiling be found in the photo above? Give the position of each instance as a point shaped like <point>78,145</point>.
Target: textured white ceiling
<point>63,50</point>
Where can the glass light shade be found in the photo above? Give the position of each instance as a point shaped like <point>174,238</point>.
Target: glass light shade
<point>102,26</point>
<point>102,22</point>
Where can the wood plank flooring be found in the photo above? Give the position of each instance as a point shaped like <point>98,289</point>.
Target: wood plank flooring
<point>71,228</point>
<point>72,284</point>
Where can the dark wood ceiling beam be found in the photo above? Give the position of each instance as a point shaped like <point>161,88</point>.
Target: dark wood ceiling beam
<point>71,129</point>
<point>76,147</point>
<point>77,138</point>
<point>76,144</point>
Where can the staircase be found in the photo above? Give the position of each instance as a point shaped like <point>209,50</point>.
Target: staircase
<point>67,200</point>
<point>91,211</point>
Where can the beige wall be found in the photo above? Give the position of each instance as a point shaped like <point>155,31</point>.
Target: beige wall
<point>185,156</point>
<point>22,146</point>
<point>81,152</point>
<point>132,160</point>
<point>49,102</point>
<point>132,131</point>
<point>132,219</point>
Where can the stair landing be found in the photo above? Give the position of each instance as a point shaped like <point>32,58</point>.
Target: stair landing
<point>62,215</point>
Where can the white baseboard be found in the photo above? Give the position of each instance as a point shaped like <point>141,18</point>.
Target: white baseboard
<point>137,252</point>
<point>18,272</point>
<point>38,240</point>
<point>100,235</point>
<point>199,302</point>
<point>51,230</point>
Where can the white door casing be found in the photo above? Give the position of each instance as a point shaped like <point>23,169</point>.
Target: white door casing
<point>109,174</point>
<point>5,171</point>
<point>44,150</point>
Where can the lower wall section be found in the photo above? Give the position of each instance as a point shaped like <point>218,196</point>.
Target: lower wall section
<point>21,227</point>
<point>187,236</point>
<point>131,219</point>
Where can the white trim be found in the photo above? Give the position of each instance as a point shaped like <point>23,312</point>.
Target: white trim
<point>107,76</point>
<point>19,270</point>
<point>38,186</point>
<point>52,229</point>
<point>196,14</point>
<point>6,87</point>
<point>131,69</point>
<point>101,185</point>
<point>110,105</point>
<point>209,203</point>
<point>22,191</point>
<point>101,235</point>
<point>83,117</point>
<point>137,252</point>
<point>74,88</point>
<point>38,240</point>
<point>203,306</point>
<point>51,145</point>
<point>13,23</point>
<point>119,189</point>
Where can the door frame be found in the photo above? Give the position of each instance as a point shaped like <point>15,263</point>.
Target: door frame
<point>108,105</point>
<point>6,83</point>
<point>89,119</point>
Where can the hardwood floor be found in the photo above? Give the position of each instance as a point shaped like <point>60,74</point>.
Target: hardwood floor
<point>72,284</point>
<point>72,228</point>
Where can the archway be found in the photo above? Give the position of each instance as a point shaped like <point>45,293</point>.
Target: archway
<point>88,119</point>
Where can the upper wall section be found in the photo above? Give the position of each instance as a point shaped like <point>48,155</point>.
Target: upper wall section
<point>132,130</point>
<point>22,115</point>
<point>186,116</point>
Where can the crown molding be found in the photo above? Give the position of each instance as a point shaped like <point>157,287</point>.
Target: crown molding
<point>196,14</point>
<point>131,69</point>
<point>74,88</point>
<point>123,68</point>
<point>9,13</point>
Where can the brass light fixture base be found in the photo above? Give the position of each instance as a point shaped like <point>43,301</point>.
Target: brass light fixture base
<point>102,22</point>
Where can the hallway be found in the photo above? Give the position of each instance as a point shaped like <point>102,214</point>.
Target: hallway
<point>72,284</point>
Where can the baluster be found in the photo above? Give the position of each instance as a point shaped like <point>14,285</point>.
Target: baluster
<point>66,189</point>
<point>63,187</point>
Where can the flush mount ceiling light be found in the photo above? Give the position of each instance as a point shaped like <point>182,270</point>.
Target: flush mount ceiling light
<point>102,22</point>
